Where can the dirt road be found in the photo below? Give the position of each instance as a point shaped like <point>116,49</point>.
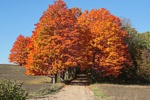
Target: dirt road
<point>71,92</point>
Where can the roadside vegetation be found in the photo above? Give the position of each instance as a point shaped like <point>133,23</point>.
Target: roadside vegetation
<point>34,86</point>
<point>107,91</point>
<point>98,93</point>
<point>11,90</point>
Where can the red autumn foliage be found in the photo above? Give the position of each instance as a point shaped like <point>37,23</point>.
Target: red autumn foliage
<point>103,40</point>
<point>64,38</point>
<point>19,52</point>
<point>54,41</point>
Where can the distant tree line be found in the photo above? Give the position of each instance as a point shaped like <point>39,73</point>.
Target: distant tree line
<point>139,47</point>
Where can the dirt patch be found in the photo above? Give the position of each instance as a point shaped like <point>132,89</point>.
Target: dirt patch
<point>125,92</point>
<point>70,92</point>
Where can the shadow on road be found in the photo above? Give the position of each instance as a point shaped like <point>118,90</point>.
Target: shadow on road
<point>81,79</point>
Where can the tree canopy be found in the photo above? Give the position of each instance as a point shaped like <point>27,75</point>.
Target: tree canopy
<point>66,37</point>
<point>19,51</point>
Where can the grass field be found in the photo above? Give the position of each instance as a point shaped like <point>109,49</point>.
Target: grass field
<point>121,92</point>
<point>34,85</point>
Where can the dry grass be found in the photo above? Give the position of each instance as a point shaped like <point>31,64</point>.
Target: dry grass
<point>98,93</point>
<point>35,85</point>
<point>40,80</point>
<point>121,92</point>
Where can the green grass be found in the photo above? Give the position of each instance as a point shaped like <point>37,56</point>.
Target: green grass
<point>98,93</point>
<point>34,85</point>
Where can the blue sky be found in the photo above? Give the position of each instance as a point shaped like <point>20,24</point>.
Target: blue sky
<point>19,16</point>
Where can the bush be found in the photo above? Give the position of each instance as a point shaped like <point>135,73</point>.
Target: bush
<point>10,90</point>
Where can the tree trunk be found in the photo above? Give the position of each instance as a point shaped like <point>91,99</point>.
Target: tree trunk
<point>74,73</point>
<point>54,79</point>
<point>62,76</point>
<point>67,75</point>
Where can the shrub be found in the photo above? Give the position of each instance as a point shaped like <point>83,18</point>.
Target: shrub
<point>10,90</point>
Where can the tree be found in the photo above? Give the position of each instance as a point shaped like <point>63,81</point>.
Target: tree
<point>139,50</point>
<point>145,39</point>
<point>130,73</point>
<point>106,50</point>
<point>65,38</point>
<point>53,47</point>
<point>19,52</point>
<point>143,68</point>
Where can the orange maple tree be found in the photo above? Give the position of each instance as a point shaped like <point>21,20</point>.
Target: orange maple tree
<point>106,52</point>
<point>53,46</point>
<point>65,38</point>
<point>19,52</point>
